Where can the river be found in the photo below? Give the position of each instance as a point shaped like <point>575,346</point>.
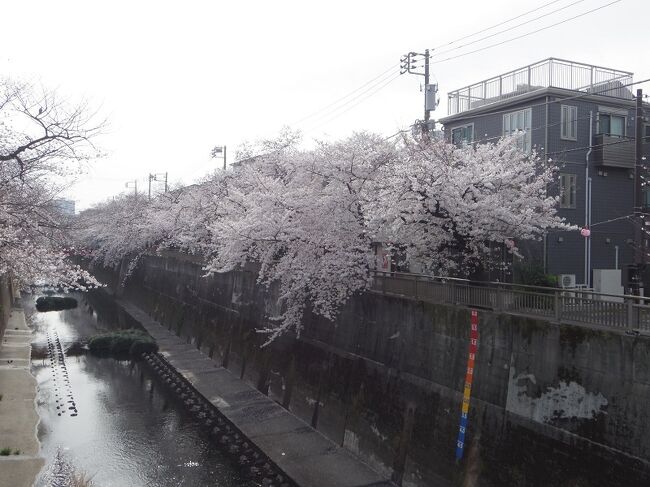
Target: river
<point>107,418</point>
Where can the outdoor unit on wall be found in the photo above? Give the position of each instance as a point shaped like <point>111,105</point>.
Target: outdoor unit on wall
<point>567,281</point>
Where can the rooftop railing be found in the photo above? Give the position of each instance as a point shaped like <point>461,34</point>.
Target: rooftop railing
<point>552,72</point>
<point>574,306</point>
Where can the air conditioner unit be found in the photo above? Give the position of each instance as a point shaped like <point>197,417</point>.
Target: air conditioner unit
<point>567,281</point>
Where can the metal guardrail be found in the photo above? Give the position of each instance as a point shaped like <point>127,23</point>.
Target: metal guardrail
<point>575,306</point>
<point>551,72</point>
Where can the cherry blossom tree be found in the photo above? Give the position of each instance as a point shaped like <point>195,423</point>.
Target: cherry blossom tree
<point>300,215</point>
<point>42,143</point>
<point>444,204</point>
<point>308,218</point>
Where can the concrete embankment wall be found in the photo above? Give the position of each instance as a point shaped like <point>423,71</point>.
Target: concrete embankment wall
<point>551,404</point>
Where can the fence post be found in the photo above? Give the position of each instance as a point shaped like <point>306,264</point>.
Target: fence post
<point>630,313</point>
<point>452,294</point>
<point>556,305</point>
<point>499,300</point>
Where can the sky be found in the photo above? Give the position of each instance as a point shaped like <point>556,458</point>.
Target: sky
<point>175,79</point>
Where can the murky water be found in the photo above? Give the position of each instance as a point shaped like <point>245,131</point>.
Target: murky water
<point>107,418</point>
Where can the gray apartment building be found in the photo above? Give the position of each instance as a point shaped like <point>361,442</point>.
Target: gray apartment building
<point>582,118</point>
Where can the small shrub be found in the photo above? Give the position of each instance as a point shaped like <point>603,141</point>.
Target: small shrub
<point>5,452</point>
<point>141,346</point>
<point>16,452</point>
<point>55,303</point>
<point>123,342</point>
<point>533,275</point>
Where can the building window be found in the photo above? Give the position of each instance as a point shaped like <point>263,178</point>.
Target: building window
<point>567,190</point>
<point>519,122</point>
<point>569,122</point>
<point>610,124</point>
<point>462,135</point>
<point>646,134</point>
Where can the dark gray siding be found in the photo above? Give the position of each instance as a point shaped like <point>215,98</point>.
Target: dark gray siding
<point>612,188</point>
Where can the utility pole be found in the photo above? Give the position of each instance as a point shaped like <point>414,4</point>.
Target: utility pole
<point>408,64</point>
<point>426,87</point>
<point>639,217</point>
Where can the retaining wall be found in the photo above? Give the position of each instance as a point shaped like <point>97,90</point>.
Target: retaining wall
<point>551,404</point>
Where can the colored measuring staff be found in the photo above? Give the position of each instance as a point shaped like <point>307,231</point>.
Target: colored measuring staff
<point>467,392</point>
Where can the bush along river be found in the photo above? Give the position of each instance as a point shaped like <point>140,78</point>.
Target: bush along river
<point>109,419</point>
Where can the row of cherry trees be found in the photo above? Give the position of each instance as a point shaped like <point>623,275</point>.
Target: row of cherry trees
<point>309,218</point>
<point>44,143</point>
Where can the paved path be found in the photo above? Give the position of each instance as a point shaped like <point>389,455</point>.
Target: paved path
<point>18,418</point>
<point>304,454</point>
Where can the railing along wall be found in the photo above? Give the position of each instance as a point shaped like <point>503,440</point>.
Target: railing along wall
<point>574,306</point>
<point>551,72</point>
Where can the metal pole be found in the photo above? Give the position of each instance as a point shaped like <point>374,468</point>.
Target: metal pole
<point>224,157</point>
<point>639,251</point>
<point>587,207</point>
<point>165,182</point>
<point>426,84</point>
<point>150,178</point>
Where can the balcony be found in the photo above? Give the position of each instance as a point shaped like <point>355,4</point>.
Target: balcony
<point>613,151</point>
<point>550,73</point>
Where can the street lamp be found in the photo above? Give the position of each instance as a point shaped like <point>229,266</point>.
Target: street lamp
<point>135,185</point>
<point>220,151</point>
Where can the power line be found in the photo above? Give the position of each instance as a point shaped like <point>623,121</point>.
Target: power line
<point>377,90</point>
<point>509,28</point>
<point>457,56</point>
<point>381,81</point>
<point>594,146</point>
<point>335,102</point>
<point>497,25</point>
<point>526,34</point>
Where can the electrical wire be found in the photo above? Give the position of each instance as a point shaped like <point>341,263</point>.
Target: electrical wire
<point>496,25</point>
<point>612,220</point>
<point>593,146</point>
<point>372,86</point>
<point>507,30</point>
<point>360,100</point>
<point>457,56</point>
<point>335,102</point>
<point>380,81</point>
<point>526,34</point>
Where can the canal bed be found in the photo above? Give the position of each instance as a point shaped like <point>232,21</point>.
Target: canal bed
<point>107,418</point>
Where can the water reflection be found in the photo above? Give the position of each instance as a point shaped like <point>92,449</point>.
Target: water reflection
<point>127,432</point>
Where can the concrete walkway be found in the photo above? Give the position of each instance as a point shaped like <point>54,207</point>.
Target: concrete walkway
<point>304,454</point>
<point>18,418</point>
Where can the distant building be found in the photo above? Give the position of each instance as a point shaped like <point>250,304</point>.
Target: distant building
<point>550,102</point>
<point>65,207</point>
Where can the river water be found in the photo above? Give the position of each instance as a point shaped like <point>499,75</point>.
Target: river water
<point>107,418</point>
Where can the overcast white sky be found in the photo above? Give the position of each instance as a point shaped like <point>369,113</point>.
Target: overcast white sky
<point>177,78</point>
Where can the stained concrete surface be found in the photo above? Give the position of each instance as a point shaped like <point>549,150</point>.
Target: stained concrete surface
<point>304,454</point>
<point>18,417</point>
